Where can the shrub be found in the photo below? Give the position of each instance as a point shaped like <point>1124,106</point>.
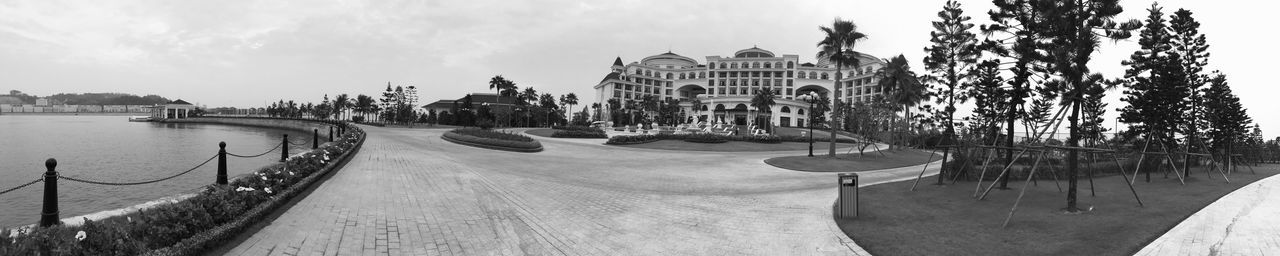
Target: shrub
<point>576,128</point>
<point>634,139</point>
<point>485,124</point>
<point>768,139</point>
<point>499,139</point>
<point>706,138</point>
<point>501,135</point>
<point>357,119</point>
<point>192,225</point>
<point>596,134</point>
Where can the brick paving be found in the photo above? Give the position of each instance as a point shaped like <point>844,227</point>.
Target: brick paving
<point>1244,222</point>
<point>410,193</point>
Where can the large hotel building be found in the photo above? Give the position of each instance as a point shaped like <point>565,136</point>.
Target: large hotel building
<point>725,86</point>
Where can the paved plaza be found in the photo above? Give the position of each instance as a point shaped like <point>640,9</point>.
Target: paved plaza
<point>410,193</point>
<point>1244,222</point>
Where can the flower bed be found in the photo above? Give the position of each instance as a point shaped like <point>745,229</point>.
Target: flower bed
<point>715,138</point>
<point>705,138</point>
<point>493,140</point>
<point>635,139</point>
<point>191,227</point>
<point>579,132</point>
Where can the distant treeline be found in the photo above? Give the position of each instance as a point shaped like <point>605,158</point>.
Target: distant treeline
<point>95,98</point>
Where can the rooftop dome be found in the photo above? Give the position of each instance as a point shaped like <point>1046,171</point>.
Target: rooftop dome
<point>753,52</point>
<point>668,58</point>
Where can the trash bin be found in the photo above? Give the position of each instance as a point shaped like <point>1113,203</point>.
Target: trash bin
<point>847,204</point>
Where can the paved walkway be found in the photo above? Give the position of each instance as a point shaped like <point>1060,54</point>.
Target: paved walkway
<point>410,193</point>
<point>1244,222</point>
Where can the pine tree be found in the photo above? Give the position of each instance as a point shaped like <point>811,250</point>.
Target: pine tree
<point>1076,30</point>
<point>1156,85</point>
<point>1192,48</point>
<point>1227,119</point>
<point>954,50</point>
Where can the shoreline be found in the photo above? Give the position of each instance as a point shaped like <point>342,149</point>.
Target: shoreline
<point>70,114</point>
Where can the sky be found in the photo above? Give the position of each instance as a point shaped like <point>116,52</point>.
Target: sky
<point>247,53</point>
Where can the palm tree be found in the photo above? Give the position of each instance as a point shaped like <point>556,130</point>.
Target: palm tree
<point>571,100</point>
<point>529,97</point>
<point>631,107</point>
<point>341,103</point>
<point>613,105</point>
<point>905,89</point>
<point>697,107</point>
<point>595,107</point>
<point>763,101</point>
<point>364,105</point>
<point>837,47</point>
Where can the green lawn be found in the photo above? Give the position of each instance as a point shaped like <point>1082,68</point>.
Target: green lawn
<point>737,146</point>
<point>851,162</point>
<point>545,132</point>
<point>944,220</point>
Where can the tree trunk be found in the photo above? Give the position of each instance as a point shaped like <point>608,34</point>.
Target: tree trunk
<point>1008,153</point>
<point>1073,141</point>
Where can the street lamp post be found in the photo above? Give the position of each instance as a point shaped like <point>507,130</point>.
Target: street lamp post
<point>810,98</point>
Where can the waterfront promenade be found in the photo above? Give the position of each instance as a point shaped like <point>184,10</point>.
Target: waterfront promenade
<point>1244,222</point>
<point>410,193</point>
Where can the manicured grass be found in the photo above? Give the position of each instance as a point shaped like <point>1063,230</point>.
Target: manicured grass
<point>944,220</point>
<point>736,146</point>
<point>851,162</point>
<point>544,132</point>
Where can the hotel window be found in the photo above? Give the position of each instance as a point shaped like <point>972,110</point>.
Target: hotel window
<point>711,91</point>
<point>767,65</point>
<point>617,93</point>
<point>628,95</point>
<point>755,65</point>
<point>648,73</point>
<point>767,83</point>
<point>668,75</point>
<point>788,90</point>
<point>824,76</point>
<point>617,86</point>
<point>733,65</point>
<point>668,84</point>
<point>638,72</point>
<point>777,64</point>
<point>668,91</point>
<point>722,65</point>
<point>733,91</point>
<point>789,82</point>
<point>744,91</point>
<point>791,64</point>
<point>801,74</point>
<point>682,76</point>
<point>703,74</point>
<point>711,65</point>
<point>721,82</point>
<point>813,75</point>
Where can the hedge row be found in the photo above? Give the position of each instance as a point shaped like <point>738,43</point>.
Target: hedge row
<point>493,140</point>
<point>190,227</point>
<point>491,134</point>
<point>716,138</point>
<point>597,134</point>
<point>576,128</point>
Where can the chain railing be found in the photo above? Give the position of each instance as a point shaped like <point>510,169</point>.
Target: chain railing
<point>108,183</point>
<point>49,213</point>
<point>22,186</point>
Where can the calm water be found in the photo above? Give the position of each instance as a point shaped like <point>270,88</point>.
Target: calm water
<point>109,148</point>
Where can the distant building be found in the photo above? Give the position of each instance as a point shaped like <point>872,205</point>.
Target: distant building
<point>477,99</point>
<point>725,86</point>
<point>177,109</point>
<point>42,102</point>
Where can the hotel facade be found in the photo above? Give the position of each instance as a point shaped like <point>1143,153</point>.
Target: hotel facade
<point>725,85</point>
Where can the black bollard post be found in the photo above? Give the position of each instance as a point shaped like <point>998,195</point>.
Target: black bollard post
<point>315,138</point>
<point>222,163</point>
<point>49,215</point>
<point>284,153</point>
<point>330,133</point>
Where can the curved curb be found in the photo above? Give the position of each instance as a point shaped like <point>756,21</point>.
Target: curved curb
<point>219,235</point>
<point>487,146</point>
